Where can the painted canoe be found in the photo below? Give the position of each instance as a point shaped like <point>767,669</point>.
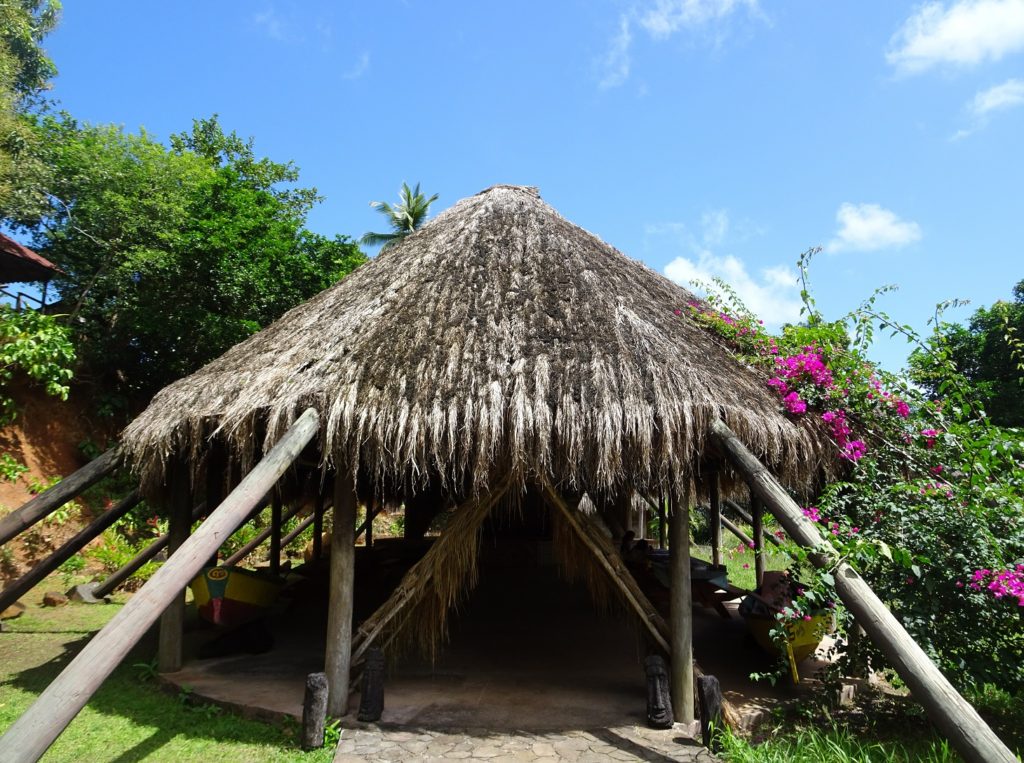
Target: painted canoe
<point>233,595</point>
<point>802,636</point>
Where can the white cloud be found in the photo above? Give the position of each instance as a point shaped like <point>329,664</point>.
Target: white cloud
<point>669,16</point>
<point>359,69</point>
<point>715,225</point>
<point>965,34</point>
<point>1004,96</point>
<point>864,227</point>
<point>616,61</point>
<point>272,24</point>
<point>997,98</point>
<point>774,296</point>
<point>661,20</point>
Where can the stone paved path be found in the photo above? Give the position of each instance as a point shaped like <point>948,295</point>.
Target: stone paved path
<point>369,742</point>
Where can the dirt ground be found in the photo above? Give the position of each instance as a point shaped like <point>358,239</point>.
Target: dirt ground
<point>46,437</point>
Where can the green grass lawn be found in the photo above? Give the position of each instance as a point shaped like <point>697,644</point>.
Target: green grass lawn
<point>129,718</point>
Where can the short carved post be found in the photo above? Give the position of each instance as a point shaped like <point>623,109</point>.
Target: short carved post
<point>709,695</point>
<point>314,711</point>
<point>371,699</point>
<point>659,700</point>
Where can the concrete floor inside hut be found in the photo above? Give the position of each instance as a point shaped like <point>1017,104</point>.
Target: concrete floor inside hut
<point>528,651</point>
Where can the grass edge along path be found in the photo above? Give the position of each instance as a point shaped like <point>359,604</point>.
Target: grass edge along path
<point>129,718</point>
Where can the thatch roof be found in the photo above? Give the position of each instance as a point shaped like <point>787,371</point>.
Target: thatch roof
<point>500,337</point>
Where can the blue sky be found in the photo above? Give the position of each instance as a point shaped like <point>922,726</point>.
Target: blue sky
<point>704,137</point>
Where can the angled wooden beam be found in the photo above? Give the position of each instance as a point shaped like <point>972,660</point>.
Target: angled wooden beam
<point>100,590</point>
<point>34,576</point>
<point>50,500</point>
<point>950,712</point>
<point>37,728</point>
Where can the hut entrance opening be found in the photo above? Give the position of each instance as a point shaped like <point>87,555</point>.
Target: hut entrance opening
<point>535,638</point>
<point>527,648</point>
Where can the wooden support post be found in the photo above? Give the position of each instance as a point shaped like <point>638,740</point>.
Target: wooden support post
<point>662,523</point>
<point>950,712</point>
<point>179,521</point>
<point>33,733</point>
<point>339,614</point>
<point>748,519</point>
<point>709,695</point>
<point>681,609</point>
<point>641,520</point>
<point>275,534</point>
<point>109,585</point>
<point>256,542</point>
<point>757,528</point>
<point>49,501</point>
<point>216,477</point>
<point>715,517</point>
<point>35,575</point>
<point>314,711</point>
<point>318,526</point>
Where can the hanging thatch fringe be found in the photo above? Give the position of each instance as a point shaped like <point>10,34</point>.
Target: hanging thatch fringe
<point>499,339</point>
<point>434,585</point>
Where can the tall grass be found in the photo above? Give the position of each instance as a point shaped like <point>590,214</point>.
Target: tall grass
<point>835,745</point>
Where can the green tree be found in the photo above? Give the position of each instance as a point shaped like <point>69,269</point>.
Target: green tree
<point>25,71</point>
<point>407,216</point>
<point>989,352</point>
<point>172,255</point>
<point>36,347</point>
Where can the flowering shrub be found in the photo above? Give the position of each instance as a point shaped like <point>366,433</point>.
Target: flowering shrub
<point>930,508</point>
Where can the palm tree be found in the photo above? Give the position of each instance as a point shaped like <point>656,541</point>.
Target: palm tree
<point>405,217</point>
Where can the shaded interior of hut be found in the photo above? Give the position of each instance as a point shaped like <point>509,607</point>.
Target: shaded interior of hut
<point>489,609</point>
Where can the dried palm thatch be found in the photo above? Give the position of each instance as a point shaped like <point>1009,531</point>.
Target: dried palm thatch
<point>500,338</point>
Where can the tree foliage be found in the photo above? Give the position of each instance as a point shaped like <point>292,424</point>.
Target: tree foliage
<point>36,347</point>
<point>405,217</point>
<point>172,255</point>
<point>929,499</point>
<point>25,71</point>
<point>988,352</point>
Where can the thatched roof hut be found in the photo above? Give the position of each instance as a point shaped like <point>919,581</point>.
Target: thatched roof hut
<point>499,339</point>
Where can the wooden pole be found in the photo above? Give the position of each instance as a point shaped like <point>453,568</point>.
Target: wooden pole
<point>339,614</point>
<point>49,501</point>
<point>681,608</point>
<point>415,581</point>
<point>662,522</point>
<point>715,518</point>
<point>611,562</point>
<point>314,711</point>
<point>950,712</point>
<point>287,539</point>
<point>748,519</point>
<point>172,623</point>
<point>731,527</point>
<point>109,585</point>
<point>275,534</point>
<point>256,542</point>
<point>371,512</point>
<point>33,733</point>
<point>757,528</point>
<point>34,576</point>
<point>318,526</point>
